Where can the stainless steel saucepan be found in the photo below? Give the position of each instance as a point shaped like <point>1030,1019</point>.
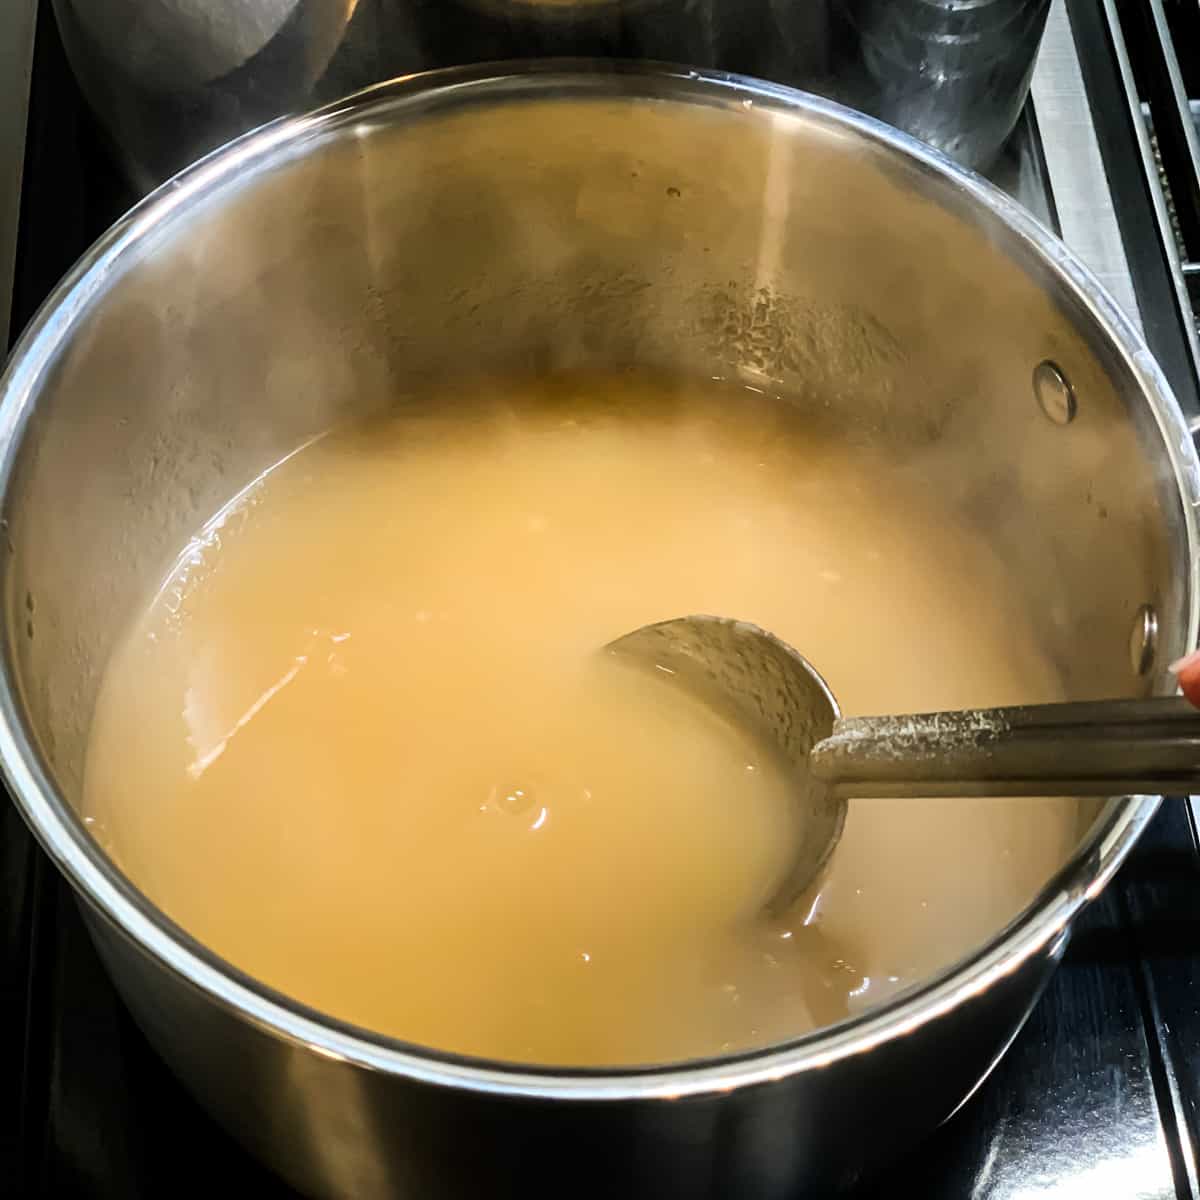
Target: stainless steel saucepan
<point>560,216</point>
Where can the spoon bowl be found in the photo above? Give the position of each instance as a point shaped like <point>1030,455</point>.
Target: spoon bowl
<point>1089,748</point>
<point>759,682</point>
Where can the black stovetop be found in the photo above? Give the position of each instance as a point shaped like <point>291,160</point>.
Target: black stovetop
<point>1097,1098</point>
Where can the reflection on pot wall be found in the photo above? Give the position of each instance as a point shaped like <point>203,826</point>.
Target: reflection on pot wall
<point>172,79</point>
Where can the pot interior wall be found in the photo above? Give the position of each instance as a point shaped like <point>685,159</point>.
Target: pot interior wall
<point>335,273</point>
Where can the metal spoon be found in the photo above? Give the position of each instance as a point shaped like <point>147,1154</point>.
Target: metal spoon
<point>1091,748</point>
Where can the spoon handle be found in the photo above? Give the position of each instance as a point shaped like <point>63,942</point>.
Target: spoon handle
<point>1089,748</point>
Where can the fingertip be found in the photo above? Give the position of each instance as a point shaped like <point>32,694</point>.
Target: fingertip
<point>1186,664</point>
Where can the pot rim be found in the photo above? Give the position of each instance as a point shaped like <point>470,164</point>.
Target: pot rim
<point>1039,929</point>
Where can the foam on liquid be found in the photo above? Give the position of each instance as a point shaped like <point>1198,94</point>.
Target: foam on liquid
<point>361,743</point>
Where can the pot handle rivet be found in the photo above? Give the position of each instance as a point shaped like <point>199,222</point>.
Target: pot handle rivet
<point>1143,640</point>
<point>1054,392</point>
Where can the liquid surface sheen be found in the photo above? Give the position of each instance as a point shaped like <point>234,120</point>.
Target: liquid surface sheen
<point>361,742</point>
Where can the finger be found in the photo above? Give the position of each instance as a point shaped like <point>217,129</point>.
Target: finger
<point>1187,671</point>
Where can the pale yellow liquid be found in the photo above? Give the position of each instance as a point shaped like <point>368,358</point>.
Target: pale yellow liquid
<point>363,746</point>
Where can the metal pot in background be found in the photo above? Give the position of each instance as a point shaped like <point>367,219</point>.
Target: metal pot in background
<point>954,73</point>
<point>570,218</point>
<point>172,79</point>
